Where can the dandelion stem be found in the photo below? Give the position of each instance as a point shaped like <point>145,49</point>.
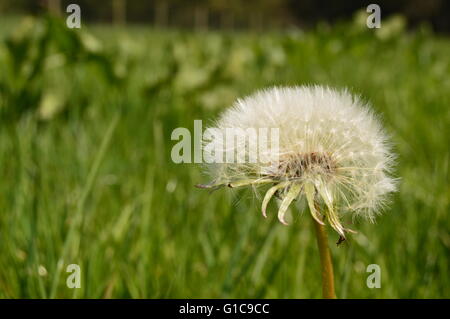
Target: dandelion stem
<point>325,261</point>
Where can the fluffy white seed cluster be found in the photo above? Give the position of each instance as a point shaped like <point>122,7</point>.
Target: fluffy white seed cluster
<point>332,150</point>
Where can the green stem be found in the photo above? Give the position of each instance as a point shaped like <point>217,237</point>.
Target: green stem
<point>326,262</point>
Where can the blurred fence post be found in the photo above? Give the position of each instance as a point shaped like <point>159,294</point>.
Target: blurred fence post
<point>227,20</point>
<point>256,21</point>
<point>161,13</point>
<point>119,12</point>
<point>201,17</point>
<point>54,7</point>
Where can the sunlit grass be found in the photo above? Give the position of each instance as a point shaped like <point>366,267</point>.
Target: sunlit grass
<point>95,185</point>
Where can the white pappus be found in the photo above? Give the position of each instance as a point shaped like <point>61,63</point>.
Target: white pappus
<point>332,150</point>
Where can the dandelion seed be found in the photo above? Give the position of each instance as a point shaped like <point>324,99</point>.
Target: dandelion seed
<point>42,271</point>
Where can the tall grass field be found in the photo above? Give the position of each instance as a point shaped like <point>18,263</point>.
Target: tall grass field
<point>86,175</point>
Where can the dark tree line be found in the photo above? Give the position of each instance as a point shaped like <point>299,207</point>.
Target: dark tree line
<point>236,14</point>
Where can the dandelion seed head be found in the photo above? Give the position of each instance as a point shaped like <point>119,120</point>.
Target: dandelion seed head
<point>332,149</point>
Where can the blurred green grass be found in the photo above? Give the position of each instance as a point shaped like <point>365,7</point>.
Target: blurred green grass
<point>86,174</point>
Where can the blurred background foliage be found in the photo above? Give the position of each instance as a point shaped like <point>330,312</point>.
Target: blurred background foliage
<point>86,117</point>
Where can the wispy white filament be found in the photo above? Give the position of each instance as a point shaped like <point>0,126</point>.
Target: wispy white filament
<point>332,150</point>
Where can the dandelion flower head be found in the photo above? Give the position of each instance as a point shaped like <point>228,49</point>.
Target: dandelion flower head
<point>332,151</point>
